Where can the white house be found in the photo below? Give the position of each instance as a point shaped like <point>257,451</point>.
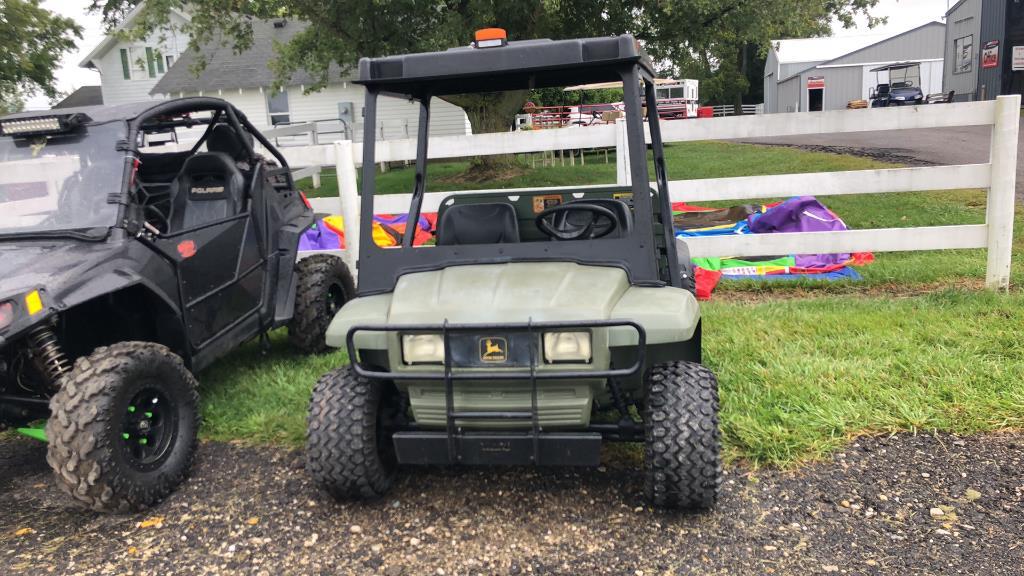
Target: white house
<point>130,69</point>
<point>162,67</point>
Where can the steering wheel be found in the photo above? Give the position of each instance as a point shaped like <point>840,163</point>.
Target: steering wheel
<point>577,221</point>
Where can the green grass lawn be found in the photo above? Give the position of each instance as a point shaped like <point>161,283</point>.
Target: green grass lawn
<point>916,346</point>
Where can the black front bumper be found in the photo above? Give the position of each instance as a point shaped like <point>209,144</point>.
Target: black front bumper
<point>532,446</point>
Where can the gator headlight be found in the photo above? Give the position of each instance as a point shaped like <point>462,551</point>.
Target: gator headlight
<point>422,348</point>
<point>6,314</point>
<point>567,347</point>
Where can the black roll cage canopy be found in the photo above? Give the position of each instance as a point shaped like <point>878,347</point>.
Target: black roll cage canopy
<point>519,65</point>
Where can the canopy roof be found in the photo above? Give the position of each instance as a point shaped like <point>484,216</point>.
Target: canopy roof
<point>897,66</point>
<point>518,65</point>
<point>616,84</point>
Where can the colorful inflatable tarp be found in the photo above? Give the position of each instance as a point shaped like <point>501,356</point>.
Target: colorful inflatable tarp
<point>799,214</point>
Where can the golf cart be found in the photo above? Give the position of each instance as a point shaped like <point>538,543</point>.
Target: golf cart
<point>128,262</point>
<point>903,86</point>
<point>541,324</point>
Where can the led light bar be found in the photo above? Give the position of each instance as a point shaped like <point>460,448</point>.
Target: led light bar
<point>42,125</point>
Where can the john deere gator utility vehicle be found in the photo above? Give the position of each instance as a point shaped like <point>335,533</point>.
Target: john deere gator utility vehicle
<point>538,321</point>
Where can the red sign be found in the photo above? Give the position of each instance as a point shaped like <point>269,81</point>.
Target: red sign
<point>815,82</point>
<point>990,54</point>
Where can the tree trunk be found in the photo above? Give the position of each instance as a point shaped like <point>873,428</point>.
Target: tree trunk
<point>490,112</point>
<point>742,61</point>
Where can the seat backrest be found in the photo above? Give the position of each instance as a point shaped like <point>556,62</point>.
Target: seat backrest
<point>223,138</point>
<point>208,188</point>
<point>489,223</point>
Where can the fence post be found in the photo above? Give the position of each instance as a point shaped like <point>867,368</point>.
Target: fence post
<point>348,191</point>
<point>1000,205</point>
<point>622,176</point>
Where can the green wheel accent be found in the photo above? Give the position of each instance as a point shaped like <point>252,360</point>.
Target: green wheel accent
<point>143,441</point>
<point>148,414</point>
<point>125,435</point>
<point>36,433</point>
<point>131,409</point>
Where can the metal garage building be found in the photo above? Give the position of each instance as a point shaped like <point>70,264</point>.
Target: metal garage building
<point>984,49</point>
<point>826,73</point>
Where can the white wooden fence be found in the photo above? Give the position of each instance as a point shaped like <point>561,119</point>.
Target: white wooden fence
<point>997,175</point>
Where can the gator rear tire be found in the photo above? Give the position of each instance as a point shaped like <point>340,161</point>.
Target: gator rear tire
<point>682,463</point>
<point>324,285</point>
<point>349,453</point>
<point>122,430</point>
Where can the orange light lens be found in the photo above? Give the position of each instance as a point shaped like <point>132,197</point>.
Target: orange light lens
<point>490,34</point>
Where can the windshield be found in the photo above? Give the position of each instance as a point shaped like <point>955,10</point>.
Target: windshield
<point>905,77</point>
<point>62,182</point>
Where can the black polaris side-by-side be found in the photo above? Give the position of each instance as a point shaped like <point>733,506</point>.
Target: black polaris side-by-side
<point>128,261</point>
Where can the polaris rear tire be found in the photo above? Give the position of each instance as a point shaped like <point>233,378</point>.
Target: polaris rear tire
<point>348,452</point>
<point>682,462</point>
<point>324,285</point>
<point>95,459</point>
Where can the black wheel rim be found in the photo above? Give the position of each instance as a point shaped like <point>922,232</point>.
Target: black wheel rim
<point>149,428</point>
<point>335,299</point>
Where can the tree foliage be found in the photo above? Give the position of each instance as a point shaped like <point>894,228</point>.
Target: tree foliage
<point>715,41</point>
<point>32,41</point>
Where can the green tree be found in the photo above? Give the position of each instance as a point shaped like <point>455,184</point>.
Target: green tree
<point>715,41</point>
<point>32,41</point>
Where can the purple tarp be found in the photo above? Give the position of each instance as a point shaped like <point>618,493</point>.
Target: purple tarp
<point>801,214</point>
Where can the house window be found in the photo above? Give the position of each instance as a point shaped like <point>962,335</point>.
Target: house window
<point>963,54</point>
<point>138,62</point>
<point>169,60</point>
<point>277,107</point>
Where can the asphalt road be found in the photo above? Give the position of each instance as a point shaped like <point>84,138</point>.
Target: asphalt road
<point>888,505</point>
<point>939,146</point>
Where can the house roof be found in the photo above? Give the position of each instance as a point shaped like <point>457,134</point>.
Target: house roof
<point>865,47</point>
<point>84,96</point>
<point>111,39</point>
<point>226,70</point>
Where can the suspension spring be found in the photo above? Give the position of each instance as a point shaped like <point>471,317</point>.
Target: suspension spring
<point>50,357</point>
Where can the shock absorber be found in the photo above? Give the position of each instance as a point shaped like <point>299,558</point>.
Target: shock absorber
<point>49,355</point>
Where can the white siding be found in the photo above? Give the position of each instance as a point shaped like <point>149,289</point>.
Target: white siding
<point>396,118</point>
<point>116,89</point>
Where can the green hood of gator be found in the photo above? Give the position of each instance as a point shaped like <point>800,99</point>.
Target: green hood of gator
<point>521,291</point>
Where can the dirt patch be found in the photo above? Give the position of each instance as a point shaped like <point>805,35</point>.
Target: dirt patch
<point>890,155</point>
<point>476,174</point>
<point>886,505</point>
<point>770,292</point>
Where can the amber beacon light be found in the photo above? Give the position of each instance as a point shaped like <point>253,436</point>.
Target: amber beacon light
<point>490,38</point>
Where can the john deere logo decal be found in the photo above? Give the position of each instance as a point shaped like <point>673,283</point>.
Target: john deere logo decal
<point>493,349</point>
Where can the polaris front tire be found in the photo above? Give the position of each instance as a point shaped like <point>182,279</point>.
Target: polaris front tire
<point>682,462</point>
<point>324,285</point>
<point>122,429</point>
<point>349,453</point>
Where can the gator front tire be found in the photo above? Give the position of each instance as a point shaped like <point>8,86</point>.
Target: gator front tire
<point>122,429</point>
<point>349,453</point>
<point>682,463</point>
<point>324,285</point>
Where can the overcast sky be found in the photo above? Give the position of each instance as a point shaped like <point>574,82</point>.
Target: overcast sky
<point>903,15</point>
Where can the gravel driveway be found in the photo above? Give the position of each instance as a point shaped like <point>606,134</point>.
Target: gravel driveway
<point>898,505</point>
<point>943,146</point>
